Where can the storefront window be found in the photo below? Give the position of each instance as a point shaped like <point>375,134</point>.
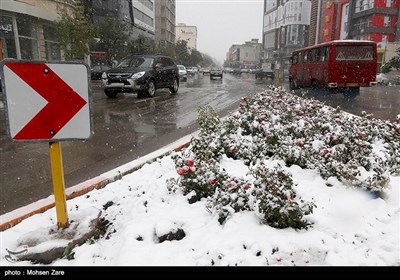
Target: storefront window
<point>7,39</point>
<point>28,42</point>
<point>50,38</point>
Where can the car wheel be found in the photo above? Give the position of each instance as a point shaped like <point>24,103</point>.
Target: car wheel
<point>175,86</point>
<point>151,90</point>
<point>110,93</point>
<point>313,84</point>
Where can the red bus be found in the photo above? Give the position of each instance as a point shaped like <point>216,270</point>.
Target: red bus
<point>342,64</point>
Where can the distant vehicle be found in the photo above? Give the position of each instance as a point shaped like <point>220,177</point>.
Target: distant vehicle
<point>228,70</point>
<point>97,71</point>
<point>182,73</point>
<point>215,72</point>
<point>236,71</point>
<point>340,64</point>
<point>192,70</point>
<point>142,74</point>
<point>382,79</point>
<point>206,71</point>
<point>265,73</point>
<point>244,70</point>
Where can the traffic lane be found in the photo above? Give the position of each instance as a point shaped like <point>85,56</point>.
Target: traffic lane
<point>125,129</point>
<point>381,101</point>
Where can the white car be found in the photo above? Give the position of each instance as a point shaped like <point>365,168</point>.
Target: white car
<point>382,79</point>
<point>182,73</point>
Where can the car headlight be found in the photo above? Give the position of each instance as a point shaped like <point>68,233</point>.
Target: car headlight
<point>138,75</point>
<point>104,75</point>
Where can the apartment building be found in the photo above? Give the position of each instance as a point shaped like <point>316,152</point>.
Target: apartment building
<point>165,21</point>
<point>188,34</point>
<point>27,30</point>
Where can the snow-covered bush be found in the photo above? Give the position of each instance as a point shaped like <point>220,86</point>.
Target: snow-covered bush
<point>198,178</point>
<point>231,197</point>
<point>276,200</point>
<point>359,151</point>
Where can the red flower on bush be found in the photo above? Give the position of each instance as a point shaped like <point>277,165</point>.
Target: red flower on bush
<point>213,181</point>
<point>189,162</point>
<point>232,185</point>
<point>325,152</point>
<point>299,142</point>
<point>180,171</point>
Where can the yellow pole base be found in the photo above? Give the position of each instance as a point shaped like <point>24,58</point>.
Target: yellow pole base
<point>57,173</point>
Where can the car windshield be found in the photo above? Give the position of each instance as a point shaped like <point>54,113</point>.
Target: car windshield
<point>136,62</point>
<point>181,67</point>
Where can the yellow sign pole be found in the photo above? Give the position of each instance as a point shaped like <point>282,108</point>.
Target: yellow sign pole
<point>57,173</point>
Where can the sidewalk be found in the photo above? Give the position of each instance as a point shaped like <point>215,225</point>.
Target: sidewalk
<point>12,218</point>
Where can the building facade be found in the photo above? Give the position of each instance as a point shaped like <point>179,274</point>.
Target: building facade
<point>144,18</point>
<point>374,20</point>
<point>188,34</point>
<point>165,21</point>
<point>247,55</point>
<point>292,24</point>
<point>286,26</point>
<point>140,14</point>
<point>27,30</point>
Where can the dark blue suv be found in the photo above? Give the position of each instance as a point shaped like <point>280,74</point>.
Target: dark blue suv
<point>142,74</point>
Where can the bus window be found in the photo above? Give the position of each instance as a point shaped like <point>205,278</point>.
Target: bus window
<point>316,55</point>
<point>293,59</point>
<point>324,54</point>
<point>300,57</point>
<point>354,53</point>
<point>305,56</point>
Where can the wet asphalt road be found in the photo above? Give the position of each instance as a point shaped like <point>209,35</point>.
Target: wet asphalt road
<point>127,128</point>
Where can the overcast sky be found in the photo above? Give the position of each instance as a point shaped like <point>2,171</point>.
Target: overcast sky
<point>221,23</point>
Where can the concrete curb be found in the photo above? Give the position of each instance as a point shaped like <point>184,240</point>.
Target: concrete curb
<point>12,218</point>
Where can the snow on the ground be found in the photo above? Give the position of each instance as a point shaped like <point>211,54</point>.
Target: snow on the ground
<point>350,227</point>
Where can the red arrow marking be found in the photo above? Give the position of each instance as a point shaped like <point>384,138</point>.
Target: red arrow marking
<point>63,101</point>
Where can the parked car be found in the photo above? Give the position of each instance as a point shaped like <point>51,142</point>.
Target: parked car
<point>182,73</point>
<point>142,74</point>
<point>382,79</point>
<point>215,72</point>
<point>98,70</point>
<point>265,73</point>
